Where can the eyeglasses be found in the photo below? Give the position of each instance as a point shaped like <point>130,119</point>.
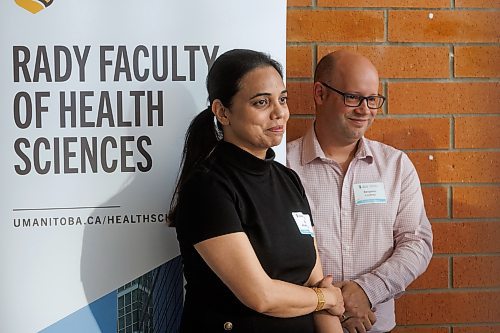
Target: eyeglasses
<point>353,100</point>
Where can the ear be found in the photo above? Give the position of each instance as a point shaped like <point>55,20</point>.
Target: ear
<point>220,112</point>
<point>319,93</point>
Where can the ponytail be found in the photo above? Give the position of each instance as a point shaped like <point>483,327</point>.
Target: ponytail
<point>201,138</point>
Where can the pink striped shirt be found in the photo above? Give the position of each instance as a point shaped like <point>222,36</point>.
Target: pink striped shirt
<point>381,239</point>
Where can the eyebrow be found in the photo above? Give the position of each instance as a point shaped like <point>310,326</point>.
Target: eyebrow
<point>360,94</point>
<point>267,94</point>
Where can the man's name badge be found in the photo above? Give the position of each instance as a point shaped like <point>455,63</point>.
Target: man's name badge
<point>369,193</point>
<point>303,223</point>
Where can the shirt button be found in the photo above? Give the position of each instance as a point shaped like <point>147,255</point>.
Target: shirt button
<point>346,247</point>
<point>228,326</point>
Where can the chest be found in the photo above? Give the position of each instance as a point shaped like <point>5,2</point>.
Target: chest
<point>274,214</point>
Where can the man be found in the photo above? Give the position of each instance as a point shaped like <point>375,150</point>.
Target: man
<point>372,230</point>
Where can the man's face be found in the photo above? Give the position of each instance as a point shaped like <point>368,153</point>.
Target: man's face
<point>345,123</point>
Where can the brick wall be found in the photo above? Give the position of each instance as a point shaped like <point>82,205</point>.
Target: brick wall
<point>439,63</point>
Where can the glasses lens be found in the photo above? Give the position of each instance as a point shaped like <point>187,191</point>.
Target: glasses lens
<point>352,100</point>
<point>375,102</point>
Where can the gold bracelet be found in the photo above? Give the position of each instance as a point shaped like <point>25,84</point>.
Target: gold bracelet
<point>321,298</point>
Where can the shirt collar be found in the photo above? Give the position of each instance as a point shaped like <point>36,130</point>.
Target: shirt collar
<point>311,148</point>
<point>244,160</point>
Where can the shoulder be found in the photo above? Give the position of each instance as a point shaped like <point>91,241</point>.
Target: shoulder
<point>209,177</point>
<point>294,152</point>
<point>294,146</point>
<point>285,170</point>
<point>384,151</point>
<point>289,174</point>
<point>389,158</point>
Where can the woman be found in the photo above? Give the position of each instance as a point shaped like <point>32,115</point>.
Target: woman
<point>242,219</point>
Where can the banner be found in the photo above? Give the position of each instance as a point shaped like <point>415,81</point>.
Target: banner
<point>95,100</point>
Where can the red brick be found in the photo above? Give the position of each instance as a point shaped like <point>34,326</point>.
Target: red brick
<point>296,127</point>
<point>412,133</point>
<point>469,202</point>
<point>420,330</point>
<point>299,3</point>
<point>477,329</point>
<point>385,3</point>
<point>452,307</point>
<point>470,272</point>
<point>443,97</point>
<point>466,237</point>
<point>300,98</point>
<point>477,132</point>
<point>335,26</point>
<point>299,61</point>
<point>436,275</point>
<point>436,202</point>
<point>457,167</point>
<point>477,3</point>
<point>444,26</point>
<point>477,61</point>
<point>402,61</point>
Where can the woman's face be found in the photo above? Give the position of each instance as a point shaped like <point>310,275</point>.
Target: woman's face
<point>256,119</point>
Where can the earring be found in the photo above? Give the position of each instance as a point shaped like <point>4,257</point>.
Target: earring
<point>218,133</point>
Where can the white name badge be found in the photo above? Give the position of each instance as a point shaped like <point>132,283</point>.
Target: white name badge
<point>303,223</point>
<point>368,193</point>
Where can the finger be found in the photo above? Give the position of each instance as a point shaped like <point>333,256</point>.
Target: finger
<point>325,282</point>
<point>328,280</point>
<point>350,328</point>
<point>339,284</point>
<point>354,325</point>
<point>360,328</point>
<point>367,324</point>
<point>372,317</point>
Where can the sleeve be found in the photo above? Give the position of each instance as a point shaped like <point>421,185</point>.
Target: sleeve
<point>207,208</point>
<point>412,244</point>
<point>298,183</point>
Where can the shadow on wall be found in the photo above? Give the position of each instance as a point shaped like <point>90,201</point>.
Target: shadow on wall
<point>130,259</point>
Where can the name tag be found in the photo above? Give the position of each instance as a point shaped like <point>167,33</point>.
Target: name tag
<point>303,223</point>
<point>368,193</point>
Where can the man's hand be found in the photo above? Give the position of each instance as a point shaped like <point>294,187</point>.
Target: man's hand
<point>358,316</point>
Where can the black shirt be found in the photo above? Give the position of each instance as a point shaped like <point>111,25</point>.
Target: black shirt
<point>234,191</point>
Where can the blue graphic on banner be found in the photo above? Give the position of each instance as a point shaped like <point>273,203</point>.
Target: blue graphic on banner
<point>152,303</point>
<point>97,317</point>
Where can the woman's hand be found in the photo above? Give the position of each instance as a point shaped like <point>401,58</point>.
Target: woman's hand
<point>333,296</point>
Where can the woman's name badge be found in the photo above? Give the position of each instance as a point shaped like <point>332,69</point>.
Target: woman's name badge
<point>303,223</point>
<point>368,193</point>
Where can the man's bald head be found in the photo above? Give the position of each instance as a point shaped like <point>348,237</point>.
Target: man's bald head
<point>340,74</point>
<point>342,64</point>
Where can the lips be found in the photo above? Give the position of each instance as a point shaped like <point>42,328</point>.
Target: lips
<point>358,121</point>
<point>277,129</point>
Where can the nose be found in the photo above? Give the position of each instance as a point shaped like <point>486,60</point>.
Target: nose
<point>279,111</point>
<point>363,108</point>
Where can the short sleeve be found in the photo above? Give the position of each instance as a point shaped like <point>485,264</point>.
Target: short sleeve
<point>298,183</point>
<point>207,208</point>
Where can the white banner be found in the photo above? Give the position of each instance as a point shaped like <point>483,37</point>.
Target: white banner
<point>95,100</point>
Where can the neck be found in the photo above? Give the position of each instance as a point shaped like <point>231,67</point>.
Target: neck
<point>342,154</point>
<point>340,151</point>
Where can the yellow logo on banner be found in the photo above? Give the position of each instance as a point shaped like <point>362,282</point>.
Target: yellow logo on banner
<point>34,6</point>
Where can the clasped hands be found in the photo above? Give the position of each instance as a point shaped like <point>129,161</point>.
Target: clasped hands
<point>358,316</point>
